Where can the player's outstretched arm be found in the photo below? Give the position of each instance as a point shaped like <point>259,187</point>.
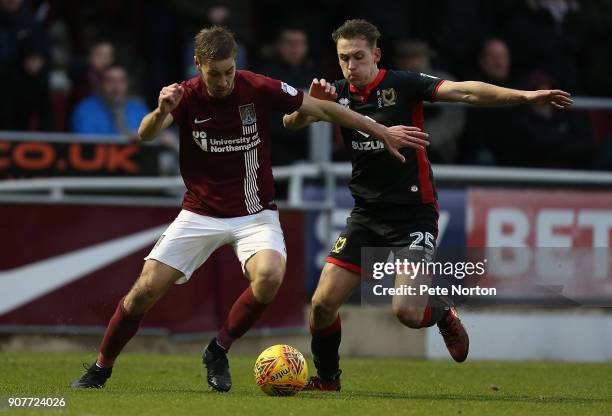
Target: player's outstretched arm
<point>160,118</point>
<point>320,89</point>
<point>480,93</point>
<point>394,137</point>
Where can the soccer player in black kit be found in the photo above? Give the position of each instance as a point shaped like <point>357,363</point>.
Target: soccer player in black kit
<point>395,199</point>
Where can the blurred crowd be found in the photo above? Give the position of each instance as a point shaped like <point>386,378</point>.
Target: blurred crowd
<point>97,67</point>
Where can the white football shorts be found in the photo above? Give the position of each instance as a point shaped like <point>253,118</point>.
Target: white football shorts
<point>192,238</point>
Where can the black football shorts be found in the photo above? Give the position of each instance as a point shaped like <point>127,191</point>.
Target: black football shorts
<point>383,225</point>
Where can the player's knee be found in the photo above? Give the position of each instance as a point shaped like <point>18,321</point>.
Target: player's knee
<point>141,298</point>
<point>323,308</point>
<point>410,316</point>
<point>269,276</point>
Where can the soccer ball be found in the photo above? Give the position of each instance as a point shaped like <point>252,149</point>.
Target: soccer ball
<point>281,370</point>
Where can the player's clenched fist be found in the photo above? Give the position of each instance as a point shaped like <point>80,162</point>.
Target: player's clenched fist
<point>170,97</point>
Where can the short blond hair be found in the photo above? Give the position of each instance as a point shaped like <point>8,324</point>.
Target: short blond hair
<point>214,44</point>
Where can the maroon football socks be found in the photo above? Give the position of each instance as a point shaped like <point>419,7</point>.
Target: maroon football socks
<point>121,328</point>
<point>245,311</point>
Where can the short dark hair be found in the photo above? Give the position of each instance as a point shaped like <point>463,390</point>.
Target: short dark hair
<point>112,67</point>
<point>357,28</point>
<point>214,44</point>
<point>291,27</point>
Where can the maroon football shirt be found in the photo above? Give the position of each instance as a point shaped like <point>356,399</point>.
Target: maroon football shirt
<point>225,144</point>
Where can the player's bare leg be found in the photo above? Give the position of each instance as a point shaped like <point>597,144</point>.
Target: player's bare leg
<point>335,286</point>
<point>410,309</point>
<point>265,269</point>
<point>419,311</point>
<point>154,281</point>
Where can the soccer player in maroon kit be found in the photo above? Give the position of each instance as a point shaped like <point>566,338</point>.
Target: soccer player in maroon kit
<point>225,163</point>
<point>395,203</point>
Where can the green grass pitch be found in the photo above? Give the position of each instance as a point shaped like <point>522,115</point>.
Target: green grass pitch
<point>174,385</point>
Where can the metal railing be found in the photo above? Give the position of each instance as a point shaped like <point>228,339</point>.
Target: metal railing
<point>61,189</point>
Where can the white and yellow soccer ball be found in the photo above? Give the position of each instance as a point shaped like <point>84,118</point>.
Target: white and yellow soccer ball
<point>281,370</point>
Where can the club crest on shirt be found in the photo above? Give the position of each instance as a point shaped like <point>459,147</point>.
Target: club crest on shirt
<point>344,101</point>
<point>199,137</point>
<point>247,114</point>
<point>389,97</point>
<point>339,245</point>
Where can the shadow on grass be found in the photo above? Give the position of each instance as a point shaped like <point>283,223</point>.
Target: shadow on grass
<point>493,397</point>
<point>348,394</point>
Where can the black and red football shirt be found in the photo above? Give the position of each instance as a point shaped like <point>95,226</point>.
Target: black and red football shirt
<point>393,98</point>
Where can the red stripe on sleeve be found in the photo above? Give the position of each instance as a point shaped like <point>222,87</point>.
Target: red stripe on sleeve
<point>427,193</point>
<point>435,93</point>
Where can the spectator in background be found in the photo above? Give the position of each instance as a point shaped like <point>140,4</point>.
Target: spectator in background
<point>548,139</point>
<point>219,13</point>
<point>167,24</point>
<point>23,54</point>
<point>110,111</point>
<point>595,63</point>
<point>31,95</point>
<point>19,30</point>
<point>87,80</point>
<point>288,57</point>
<point>546,34</point>
<point>602,129</point>
<point>288,60</point>
<point>595,70</point>
<point>483,139</point>
<point>444,123</point>
<point>494,63</point>
<point>455,29</point>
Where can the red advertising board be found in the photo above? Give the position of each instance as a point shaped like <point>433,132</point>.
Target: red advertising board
<point>552,244</point>
<point>539,218</point>
<point>68,265</point>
